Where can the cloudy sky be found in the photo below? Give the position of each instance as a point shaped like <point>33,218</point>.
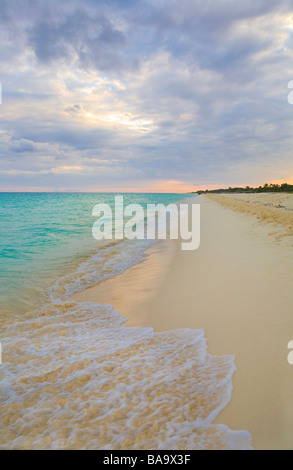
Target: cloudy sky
<point>145,95</point>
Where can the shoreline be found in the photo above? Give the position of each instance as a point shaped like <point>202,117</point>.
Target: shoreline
<point>237,287</point>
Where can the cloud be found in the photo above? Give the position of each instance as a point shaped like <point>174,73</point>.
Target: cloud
<point>90,41</point>
<point>145,90</point>
<point>22,145</point>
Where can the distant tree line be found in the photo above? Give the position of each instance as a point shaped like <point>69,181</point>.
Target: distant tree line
<point>266,188</point>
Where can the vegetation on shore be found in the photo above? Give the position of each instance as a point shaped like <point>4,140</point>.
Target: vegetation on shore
<point>266,188</point>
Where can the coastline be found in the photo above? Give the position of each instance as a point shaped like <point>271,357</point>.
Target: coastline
<point>237,287</point>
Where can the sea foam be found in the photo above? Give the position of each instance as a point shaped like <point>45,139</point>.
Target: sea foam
<point>75,378</point>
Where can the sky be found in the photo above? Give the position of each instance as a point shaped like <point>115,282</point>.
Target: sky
<point>145,95</point>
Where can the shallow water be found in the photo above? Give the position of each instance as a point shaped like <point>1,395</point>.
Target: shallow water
<point>73,377</point>
<point>76,378</point>
<point>44,236</point>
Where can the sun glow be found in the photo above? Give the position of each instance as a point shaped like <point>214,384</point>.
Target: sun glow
<point>126,120</point>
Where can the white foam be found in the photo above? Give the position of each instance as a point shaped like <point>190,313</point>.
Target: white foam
<point>105,263</point>
<point>75,378</point>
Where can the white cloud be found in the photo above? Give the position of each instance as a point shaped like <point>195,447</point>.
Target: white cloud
<point>147,90</point>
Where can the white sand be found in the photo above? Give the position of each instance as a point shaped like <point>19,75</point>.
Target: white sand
<point>238,287</point>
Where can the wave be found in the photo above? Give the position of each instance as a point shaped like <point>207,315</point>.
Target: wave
<point>107,262</point>
<point>76,378</point>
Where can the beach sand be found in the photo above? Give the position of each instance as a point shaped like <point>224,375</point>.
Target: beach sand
<point>237,287</point>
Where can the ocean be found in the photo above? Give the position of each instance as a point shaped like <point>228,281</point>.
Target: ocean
<point>72,375</point>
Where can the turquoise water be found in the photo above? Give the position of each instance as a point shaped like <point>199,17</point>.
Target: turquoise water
<point>72,375</point>
<point>44,236</point>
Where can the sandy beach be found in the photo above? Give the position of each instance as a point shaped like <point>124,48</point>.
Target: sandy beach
<point>237,287</point>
